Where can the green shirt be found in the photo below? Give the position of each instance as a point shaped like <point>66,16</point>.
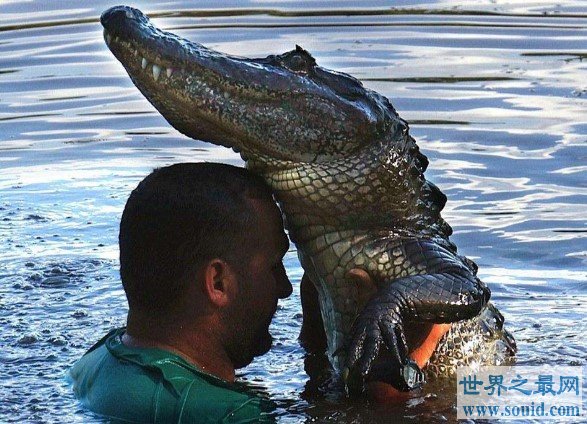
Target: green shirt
<point>156,386</point>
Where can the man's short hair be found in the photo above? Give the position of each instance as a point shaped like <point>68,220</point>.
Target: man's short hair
<point>178,218</point>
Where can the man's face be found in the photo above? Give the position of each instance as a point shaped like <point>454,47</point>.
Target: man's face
<point>261,282</point>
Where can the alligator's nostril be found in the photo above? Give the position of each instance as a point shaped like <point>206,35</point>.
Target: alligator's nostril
<point>117,15</point>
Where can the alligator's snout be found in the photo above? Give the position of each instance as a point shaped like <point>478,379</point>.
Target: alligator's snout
<point>124,21</point>
<point>284,106</point>
<point>116,16</point>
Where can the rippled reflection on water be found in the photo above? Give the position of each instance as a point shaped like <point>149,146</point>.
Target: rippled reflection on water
<point>495,94</point>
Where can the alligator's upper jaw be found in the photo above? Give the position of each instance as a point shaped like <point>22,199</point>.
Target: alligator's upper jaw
<point>163,66</point>
<point>284,107</point>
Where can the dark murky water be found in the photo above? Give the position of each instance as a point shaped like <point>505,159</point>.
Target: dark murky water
<point>496,95</point>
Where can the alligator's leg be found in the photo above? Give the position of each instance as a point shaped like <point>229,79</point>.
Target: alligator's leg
<point>448,292</point>
<point>312,335</point>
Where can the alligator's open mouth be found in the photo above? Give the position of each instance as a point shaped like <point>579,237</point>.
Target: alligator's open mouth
<point>284,106</point>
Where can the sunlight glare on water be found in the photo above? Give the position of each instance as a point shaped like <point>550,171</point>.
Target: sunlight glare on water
<point>494,91</point>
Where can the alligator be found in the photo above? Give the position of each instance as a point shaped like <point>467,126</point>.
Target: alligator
<point>349,178</point>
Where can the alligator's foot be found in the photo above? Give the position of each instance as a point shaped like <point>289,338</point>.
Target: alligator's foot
<point>449,296</point>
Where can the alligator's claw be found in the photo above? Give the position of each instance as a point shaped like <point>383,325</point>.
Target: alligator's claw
<point>439,298</point>
<point>379,324</point>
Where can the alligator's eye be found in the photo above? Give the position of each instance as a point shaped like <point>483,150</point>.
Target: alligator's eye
<point>296,64</point>
<point>298,60</point>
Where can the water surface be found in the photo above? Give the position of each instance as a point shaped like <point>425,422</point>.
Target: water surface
<point>495,93</point>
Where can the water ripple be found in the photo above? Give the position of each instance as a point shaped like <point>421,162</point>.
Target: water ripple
<point>495,95</point>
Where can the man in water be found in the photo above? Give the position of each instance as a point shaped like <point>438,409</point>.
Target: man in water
<point>201,249</point>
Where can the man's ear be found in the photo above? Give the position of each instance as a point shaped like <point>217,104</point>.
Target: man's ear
<point>219,282</point>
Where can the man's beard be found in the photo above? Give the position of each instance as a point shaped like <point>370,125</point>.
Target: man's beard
<point>263,343</point>
<point>243,351</point>
<point>245,343</point>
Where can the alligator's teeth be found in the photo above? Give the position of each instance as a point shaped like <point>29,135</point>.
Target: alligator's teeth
<point>144,63</point>
<point>169,72</point>
<point>156,72</point>
<point>108,38</point>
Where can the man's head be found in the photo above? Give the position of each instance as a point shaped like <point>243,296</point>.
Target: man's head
<point>200,241</point>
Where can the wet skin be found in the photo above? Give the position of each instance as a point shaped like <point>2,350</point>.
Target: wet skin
<point>350,180</point>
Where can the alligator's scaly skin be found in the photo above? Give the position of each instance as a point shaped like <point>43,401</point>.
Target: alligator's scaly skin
<point>349,178</point>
